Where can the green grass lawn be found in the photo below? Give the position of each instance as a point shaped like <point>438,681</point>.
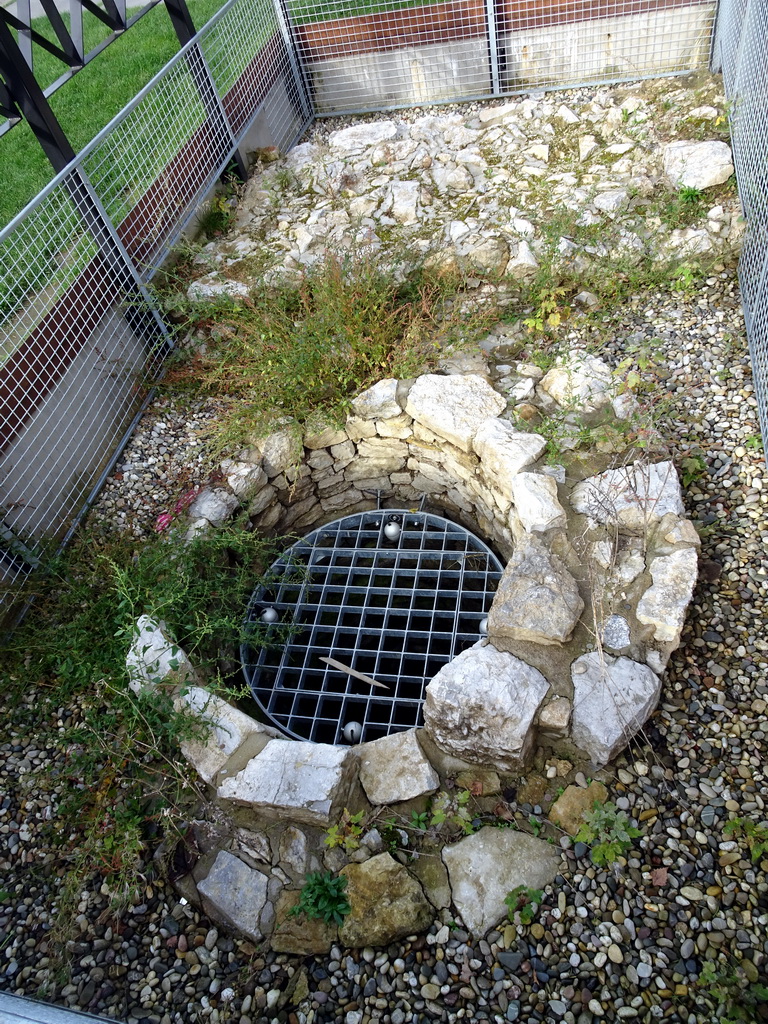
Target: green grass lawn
<point>92,98</point>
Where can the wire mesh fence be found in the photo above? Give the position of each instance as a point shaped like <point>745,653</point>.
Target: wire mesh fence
<point>373,55</point>
<point>739,51</point>
<point>80,340</point>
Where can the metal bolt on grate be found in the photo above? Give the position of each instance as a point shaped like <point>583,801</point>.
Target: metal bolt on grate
<point>393,595</point>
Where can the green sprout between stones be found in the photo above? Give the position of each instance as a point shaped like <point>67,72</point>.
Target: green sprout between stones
<point>607,831</point>
<point>323,896</point>
<point>524,901</point>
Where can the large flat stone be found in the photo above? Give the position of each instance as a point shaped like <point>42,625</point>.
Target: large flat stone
<point>485,866</point>
<point>612,700</point>
<point>504,452</point>
<point>480,707</point>
<point>362,136</point>
<point>573,803</point>
<point>387,903</point>
<point>664,603</point>
<point>537,599</point>
<point>235,893</point>
<point>215,504</point>
<point>303,782</point>
<point>394,768</point>
<point>453,407</point>
<point>632,497</point>
<point>234,737</point>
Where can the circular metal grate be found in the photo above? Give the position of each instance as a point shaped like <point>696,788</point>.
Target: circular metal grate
<point>393,595</point>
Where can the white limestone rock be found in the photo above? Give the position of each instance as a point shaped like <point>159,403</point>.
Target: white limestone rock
<point>378,402</point>
<point>154,658</point>
<point>582,382</point>
<point>215,504</point>
<point>234,737</point>
<point>235,893</point>
<point>612,700</point>
<point>632,497</point>
<point>394,768</point>
<point>534,497</point>
<point>281,450</point>
<point>321,432</point>
<point>485,866</point>
<point>523,264</point>
<point>555,716</point>
<point>697,164</point>
<point>405,201</point>
<point>362,136</point>
<point>615,633</point>
<point>481,706</point>
<point>244,479</point>
<point>611,202</point>
<point>664,603</point>
<point>453,407</point>
<point>214,287</point>
<point>504,452</point>
<point>537,599</point>
<point>306,782</point>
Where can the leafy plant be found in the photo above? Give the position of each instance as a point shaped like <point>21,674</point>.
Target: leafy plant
<point>346,833</point>
<point>550,310</point>
<point>608,832</point>
<point>452,810</point>
<point>420,820</point>
<point>755,836</point>
<point>524,901</point>
<point>535,824</point>
<point>737,997</point>
<point>693,468</point>
<point>323,896</point>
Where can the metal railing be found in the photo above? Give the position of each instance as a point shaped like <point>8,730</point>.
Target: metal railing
<point>80,339</point>
<point>739,52</point>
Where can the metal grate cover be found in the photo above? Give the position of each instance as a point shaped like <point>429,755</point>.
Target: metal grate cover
<point>394,595</point>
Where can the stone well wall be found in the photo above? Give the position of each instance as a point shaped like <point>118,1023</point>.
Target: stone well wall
<point>588,610</point>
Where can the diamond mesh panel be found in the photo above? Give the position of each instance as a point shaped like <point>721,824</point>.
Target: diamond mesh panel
<point>394,608</point>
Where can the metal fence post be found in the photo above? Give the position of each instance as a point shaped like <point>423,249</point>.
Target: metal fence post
<point>493,46</point>
<point>202,77</point>
<point>294,59</point>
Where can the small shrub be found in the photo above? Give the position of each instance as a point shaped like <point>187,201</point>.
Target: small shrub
<point>323,896</point>
<point>524,901</point>
<point>608,832</point>
<point>684,208</point>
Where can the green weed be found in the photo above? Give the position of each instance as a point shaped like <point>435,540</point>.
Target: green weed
<point>349,323</point>
<point>608,832</point>
<point>738,997</point>
<point>452,810</point>
<point>323,896</point>
<point>683,208</point>
<point>693,468</point>
<point>346,833</point>
<point>524,901</point>
<point>755,836</point>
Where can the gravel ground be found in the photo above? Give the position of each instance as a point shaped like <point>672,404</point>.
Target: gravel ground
<point>620,944</point>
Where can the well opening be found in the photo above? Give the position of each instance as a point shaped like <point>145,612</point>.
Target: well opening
<point>392,594</point>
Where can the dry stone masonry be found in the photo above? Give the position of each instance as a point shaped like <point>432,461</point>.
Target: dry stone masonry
<point>591,603</point>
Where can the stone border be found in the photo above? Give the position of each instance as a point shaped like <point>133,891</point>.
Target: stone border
<point>590,606</point>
